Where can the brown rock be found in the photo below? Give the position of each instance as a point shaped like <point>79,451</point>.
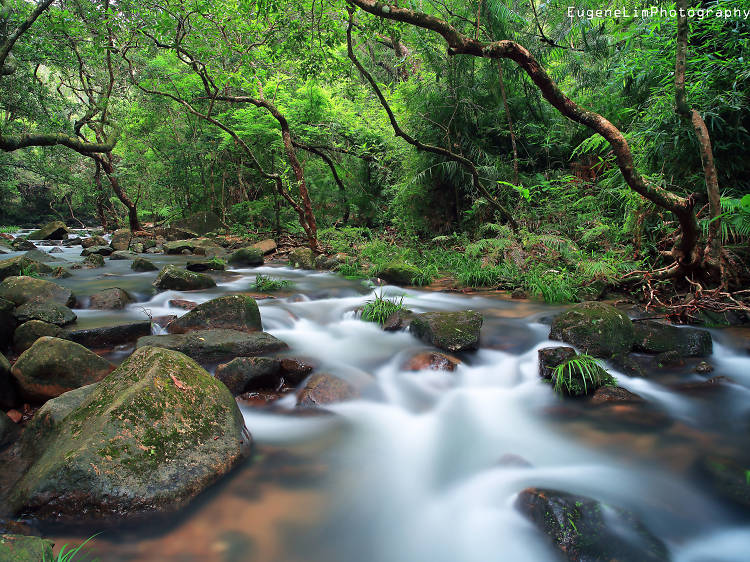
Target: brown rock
<point>613,394</point>
<point>110,299</point>
<point>324,388</point>
<point>15,415</point>
<point>185,305</point>
<point>433,360</point>
<point>294,371</point>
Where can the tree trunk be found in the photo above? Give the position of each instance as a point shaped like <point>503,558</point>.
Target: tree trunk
<point>107,165</point>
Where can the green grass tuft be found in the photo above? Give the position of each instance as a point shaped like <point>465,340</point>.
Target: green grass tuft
<point>379,309</point>
<point>266,284</point>
<point>73,553</point>
<point>579,375</point>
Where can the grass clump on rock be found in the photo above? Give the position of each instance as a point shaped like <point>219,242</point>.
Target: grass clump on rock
<point>266,284</point>
<point>380,309</point>
<point>580,375</point>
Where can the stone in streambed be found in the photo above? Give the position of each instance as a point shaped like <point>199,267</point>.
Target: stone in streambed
<point>449,331</point>
<point>56,230</point>
<point>121,239</point>
<point>584,529</point>
<point>234,312</point>
<point>142,264</point>
<point>614,395</point>
<point>266,247</point>
<point>324,388</point>
<point>183,304</point>
<point>28,332</point>
<point>172,277</point>
<point>727,477</point>
<point>52,366</point>
<point>551,357</point>
<point>110,336</point>
<point>40,256</point>
<point>150,437</point>
<point>20,290</point>
<point>97,250</point>
<point>244,374</point>
<point>433,361</point>
<point>94,241</point>
<point>302,258</point>
<point>13,267</point>
<point>49,312</point>
<point>596,328</point>
<point>205,265</point>
<point>9,398</point>
<point>22,245</point>
<point>9,430</point>
<point>655,337</point>
<point>22,548</point>
<point>7,322</point>
<point>217,345</point>
<point>94,261</point>
<point>246,257</point>
<point>110,299</point>
<point>122,255</point>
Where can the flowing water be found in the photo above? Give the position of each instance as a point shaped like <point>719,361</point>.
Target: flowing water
<point>427,465</point>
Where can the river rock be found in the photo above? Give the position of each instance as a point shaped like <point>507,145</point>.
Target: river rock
<point>398,273</point>
<point>246,257</point>
<point>110,299</point>
<point>596,328</point>
<point>61,273</point>
<point>21,264</point>
<point>265,246</point>
<point>245,374</point>
<point>727,477</point>
<point>172,277</point>
<point>205,265</point>
<point>201,222</point>
<point>52,366</point>
<point>20,290</point>
<point>22,548</point>
<point>150,437</point>
<point>655,337</point>
<point>583,529</point>
<point>432,360</point>
<point>49,312</point>
<point>98,250</point>
<point>217,345</point>
<point>183,304</point>
<point>121,239</point>
<point>449,331</point>
<point>94,241</point>
<point>94,261</point>
<point>704,368</point>
<point>40,256</point>
<point>55,250</point>
<point>8,389</point>
<point>28,332</point>
<point>551,357</point>
<point>122,255</point>
<point>7,322</point>
<point>110,336</point>
<point>324,388</point>
<point>399,320</point>
<point>198,246</point>
<point>142,264</point>
<point>294,370</point>
<point>174,233</point>
<point>55,230</point>
<point>614,395</point>
<point>302,258</point>
<point>9,430</point>
<point>234,312</point>
<point>22,245</point>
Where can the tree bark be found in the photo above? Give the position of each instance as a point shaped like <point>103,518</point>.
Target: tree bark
<point>108,167</point>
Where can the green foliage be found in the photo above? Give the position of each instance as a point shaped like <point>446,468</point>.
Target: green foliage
<point>76,553</point>
<point>380,308</point>
<point>29,271</point>
<point>9,229</point>
<point>580,374</point>
<point>266,284</point>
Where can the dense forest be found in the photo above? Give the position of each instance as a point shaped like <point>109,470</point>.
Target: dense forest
<point>382,181</point>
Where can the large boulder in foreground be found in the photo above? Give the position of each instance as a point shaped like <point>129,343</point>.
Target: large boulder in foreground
<point>234,312</point>
<point>172,277</point>
<point>21,548</point>
<point>582,529</point>
<point>150,437</point>
<point>20,290</point>
<point>449,331</point>
<point>209,346</point>
<point>22,265</point>
<point>655,337</point>
<point>52,366</point>
<point>595,328</point>
<point>55,230</point>
<point>50,312</point>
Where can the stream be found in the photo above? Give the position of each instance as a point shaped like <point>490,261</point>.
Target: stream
<point>426,466</point>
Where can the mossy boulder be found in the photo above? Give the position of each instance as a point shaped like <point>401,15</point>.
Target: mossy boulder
<point>245,374</point>
<point>9,430</point>
<point>8,389</point>
<point>198,246</point>
<point>234,312</point>
<point>551,357</point>
<point>172,277</point>
<point>56,230</point>
<point>449,331</point>
<point>209,346</point>
<point>94,261</point>
<point>214,264</point>
<point>110,336</point>
<point>61,273</point>
<point>302,258</point>
<point>398,273</point>
<point>94,241</point>
<point>582,528</point>
<point>22,245</point>
<point>20,290</point>
<point>97,250</point>
<point>142,264</point>
<point>122,255</point>
<point>20,548</point>
<point>246,257</point>
<point>324,388</point>
<point>150,437</point>
<point>595,328</point>
<point>43,257</point>
<point>22,264</point>
<point>121,239</point>
<point>201,222</point>
<point>111,299</point>
<point>52,366</point>
<point>655,337</point>
<point>7,322</point>
<point>28,332</point>
<point>49,312</point>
